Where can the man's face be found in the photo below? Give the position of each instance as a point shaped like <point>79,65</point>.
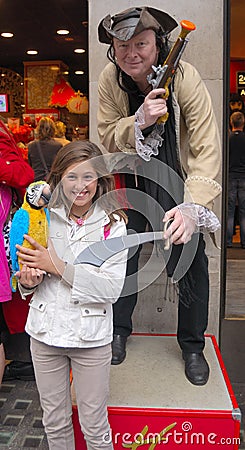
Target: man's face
<point>136,56</point>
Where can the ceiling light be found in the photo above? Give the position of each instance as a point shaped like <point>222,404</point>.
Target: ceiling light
<point>32,52</point>
<point>63,32</point>
<point>7,35</point>
<point>79,72</point>
<point>79,50</point>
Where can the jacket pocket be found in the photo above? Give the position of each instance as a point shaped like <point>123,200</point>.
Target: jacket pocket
<point>94,323</point>
<point>37,318</point>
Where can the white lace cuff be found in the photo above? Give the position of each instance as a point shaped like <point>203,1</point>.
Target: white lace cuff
<point>204,218</point>
<point>147,146</point>
<point>117,161</point>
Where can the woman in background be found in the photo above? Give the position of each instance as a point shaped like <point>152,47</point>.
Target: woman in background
<point>42,151</point>
<point>15,176</point>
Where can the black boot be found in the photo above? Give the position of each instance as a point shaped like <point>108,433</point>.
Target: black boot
<point>196,368</point>
<point>118,349</point>
<point>18,370</point>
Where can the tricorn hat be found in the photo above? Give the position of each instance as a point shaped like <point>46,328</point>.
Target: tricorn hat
<point>133,21</point>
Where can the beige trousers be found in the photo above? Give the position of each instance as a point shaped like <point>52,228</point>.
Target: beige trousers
<point>90,370</point>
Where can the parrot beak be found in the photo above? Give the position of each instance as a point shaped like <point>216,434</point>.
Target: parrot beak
<point>45,197</point>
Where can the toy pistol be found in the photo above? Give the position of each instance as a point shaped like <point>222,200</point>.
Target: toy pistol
<point>163,75</point>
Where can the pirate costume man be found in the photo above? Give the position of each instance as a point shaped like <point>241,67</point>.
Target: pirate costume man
<point>176,163</point>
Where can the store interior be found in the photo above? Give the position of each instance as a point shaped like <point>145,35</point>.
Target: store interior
<point>235,256</point>
<point>44,66</point>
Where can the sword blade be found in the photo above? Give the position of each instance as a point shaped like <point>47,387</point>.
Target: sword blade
<point>98,252</point>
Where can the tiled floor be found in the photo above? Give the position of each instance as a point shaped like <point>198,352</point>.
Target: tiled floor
<point>21,417</point>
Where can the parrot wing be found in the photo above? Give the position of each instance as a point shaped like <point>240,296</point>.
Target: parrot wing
<point>19,227</point>
<point>47,215</point>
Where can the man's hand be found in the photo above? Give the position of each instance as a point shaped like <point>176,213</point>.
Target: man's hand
<point>181,229</point>
<point>154,106</point>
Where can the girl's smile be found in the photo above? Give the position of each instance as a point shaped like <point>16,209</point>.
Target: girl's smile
<point>79,184</point>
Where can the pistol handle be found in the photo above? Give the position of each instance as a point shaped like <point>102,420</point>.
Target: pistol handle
<point>164,118</point>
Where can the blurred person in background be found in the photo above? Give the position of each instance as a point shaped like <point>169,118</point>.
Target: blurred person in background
<point>42,151</point>
<point>60,133</point>
<point>236,185</point>
<point>15,176</point>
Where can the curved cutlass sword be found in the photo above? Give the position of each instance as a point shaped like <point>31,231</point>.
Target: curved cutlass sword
<point>98,252</point>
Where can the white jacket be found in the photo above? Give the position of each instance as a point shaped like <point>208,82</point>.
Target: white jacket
<point>76,311</point>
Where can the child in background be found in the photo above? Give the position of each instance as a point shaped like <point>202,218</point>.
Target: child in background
<point>70,318</point>
<point>60,132</point>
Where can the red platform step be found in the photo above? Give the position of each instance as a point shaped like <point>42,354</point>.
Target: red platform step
<point>152,403</point>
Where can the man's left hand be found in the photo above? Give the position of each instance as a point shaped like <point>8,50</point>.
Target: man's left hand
<point>181,228</point>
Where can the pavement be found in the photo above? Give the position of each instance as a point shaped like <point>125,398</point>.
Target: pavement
<point>21,417</point>
<point>233,354</point>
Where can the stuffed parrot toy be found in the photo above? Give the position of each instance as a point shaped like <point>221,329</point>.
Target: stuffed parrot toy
<point>32,219</point>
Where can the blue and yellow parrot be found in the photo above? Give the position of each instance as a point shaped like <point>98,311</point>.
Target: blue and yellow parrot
<point>32,219</point>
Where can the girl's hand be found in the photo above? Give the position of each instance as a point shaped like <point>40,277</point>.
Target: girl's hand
<point>181,229</point>
<point>41,258</point>
<point>29,277</point>
<point>154,106</point>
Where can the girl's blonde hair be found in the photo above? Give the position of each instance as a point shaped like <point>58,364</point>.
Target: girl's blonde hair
<point>78,152</point>
<point>60,129</point>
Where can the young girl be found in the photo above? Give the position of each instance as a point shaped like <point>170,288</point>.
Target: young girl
<point>70,318</point>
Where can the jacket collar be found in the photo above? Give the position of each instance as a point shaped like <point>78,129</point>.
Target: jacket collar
<point>97,215</point>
